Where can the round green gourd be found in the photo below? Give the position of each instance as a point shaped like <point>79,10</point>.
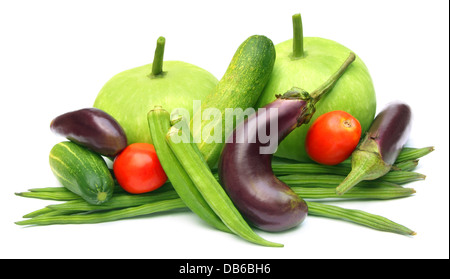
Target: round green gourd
<point>131,94</point>
<point>308,62</point>
<point>82,171</point>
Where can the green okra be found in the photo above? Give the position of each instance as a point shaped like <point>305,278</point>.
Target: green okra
<point>159,124</point>
<point>211,190</point>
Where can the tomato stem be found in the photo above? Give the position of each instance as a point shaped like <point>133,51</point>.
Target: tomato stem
<point>157,65</point>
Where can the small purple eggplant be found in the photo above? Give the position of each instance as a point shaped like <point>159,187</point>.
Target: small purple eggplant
<point>245,169</point>
<point>380,147</point>
<point>91,128</point>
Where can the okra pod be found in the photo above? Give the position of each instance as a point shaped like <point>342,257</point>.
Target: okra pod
<point>159,124</point>
<point>211,190</point>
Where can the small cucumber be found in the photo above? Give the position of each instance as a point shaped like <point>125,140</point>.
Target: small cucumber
<point>239,88</point>
<point>82,171</point>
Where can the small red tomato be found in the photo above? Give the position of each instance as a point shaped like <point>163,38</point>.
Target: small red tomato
<point>332,137</point>
<point>138,170</point>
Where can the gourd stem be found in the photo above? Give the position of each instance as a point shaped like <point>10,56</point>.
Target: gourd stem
<point>159,57</point>
<point>298,36</point>
<point>329,84</point>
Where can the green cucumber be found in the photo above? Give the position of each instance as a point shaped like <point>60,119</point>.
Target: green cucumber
<point>240,87</point>
<point>82,171</point>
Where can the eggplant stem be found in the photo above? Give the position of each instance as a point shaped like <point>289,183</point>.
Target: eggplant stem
<point>354,177</point>
<point>366,165</point>
<point>158,59</point>
<point>329,84</point>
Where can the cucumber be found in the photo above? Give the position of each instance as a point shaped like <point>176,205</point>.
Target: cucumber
<point>240,87</point>
<point>82,171</point>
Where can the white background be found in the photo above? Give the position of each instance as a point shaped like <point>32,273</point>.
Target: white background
<point>56,55</point>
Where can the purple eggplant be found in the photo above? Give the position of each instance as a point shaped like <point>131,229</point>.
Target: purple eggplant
<point>380,147</point>
<point>91,128</point>
<point>245,169</point>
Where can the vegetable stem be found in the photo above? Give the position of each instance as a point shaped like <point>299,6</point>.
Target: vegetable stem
<point>297,42</point>
<point>365,165</point>
<point>157,65</point>
<point>329,84</point>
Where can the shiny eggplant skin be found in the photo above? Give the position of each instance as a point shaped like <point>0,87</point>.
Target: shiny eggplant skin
<point>247,175</point>
<point>92,128</point>
<point>245,169</point>
<point>377,152</point>
<point>390,130</point>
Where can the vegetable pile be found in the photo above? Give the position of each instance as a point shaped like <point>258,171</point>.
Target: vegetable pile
<point>237,180</point>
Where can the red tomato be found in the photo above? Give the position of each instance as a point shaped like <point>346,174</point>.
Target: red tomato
<point>332,137</point>
<point>138,170</point>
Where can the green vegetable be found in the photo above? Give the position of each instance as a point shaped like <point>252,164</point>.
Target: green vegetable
<point>411,153</point>
<point>313,185</point>
<point>159,124</point>
<point>328,181</point>
<point>305,63</point>
<point>108,216</point>
<point>119,201</point>
<point>57,196</point>
<point>239,88</point>
<point>82,171</point>
<point>211,190</point>
<point>378,150</point>
<point>357,216</point>
<point>129,95</point>
<point>355,193</point>
<point>395,176</point>
<point>61,213</point>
